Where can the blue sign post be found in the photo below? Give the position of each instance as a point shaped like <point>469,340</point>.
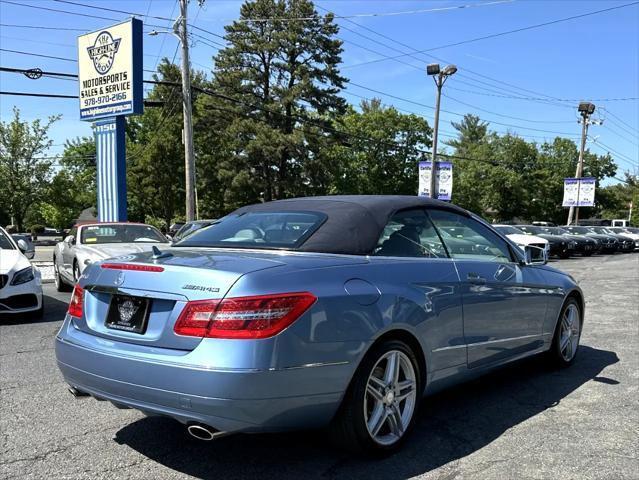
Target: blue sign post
<point>111,167</point>
<point>110,80</point>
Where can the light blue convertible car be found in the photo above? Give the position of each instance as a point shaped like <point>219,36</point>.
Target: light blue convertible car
<point>339,311</point>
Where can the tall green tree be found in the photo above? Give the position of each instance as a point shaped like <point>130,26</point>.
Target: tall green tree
<point>23,171</point>
<point>73,187</point>
<point>382,152</point>
<point>276,72</point>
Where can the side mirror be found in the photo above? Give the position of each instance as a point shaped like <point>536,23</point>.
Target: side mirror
<point>22,245</point>
<point>69,239</point>
<point>535,255</point>
<point>169,237</point>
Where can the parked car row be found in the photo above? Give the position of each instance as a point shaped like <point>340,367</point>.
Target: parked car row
<point>567,241</point>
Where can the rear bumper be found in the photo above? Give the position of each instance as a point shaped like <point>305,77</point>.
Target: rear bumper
<point>230,400</point>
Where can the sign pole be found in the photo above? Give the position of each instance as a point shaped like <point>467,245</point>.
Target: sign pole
<point>110,143</point>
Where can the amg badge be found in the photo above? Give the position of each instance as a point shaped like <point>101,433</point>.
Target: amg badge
<point>200,288</point>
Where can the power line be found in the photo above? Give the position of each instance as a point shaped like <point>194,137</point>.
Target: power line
<point>546,100</point>
<point>542,98</point>
<point>504,116</point>
<point>38,55</point>
<point>620,120</point>
<point>40,27</point>
<point>455,113</point>
<point>368,15</point>
<point>85,15</point>
<point>301,118</point>
<point>499,34</point>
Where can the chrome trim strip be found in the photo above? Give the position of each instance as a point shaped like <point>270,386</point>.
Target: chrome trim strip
<point>501,340</point>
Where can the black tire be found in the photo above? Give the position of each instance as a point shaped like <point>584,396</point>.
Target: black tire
<point>39,313</point>
<point>348,429</point>
<point>556,358</point>
<point>564,255</point>
<point>60,285</point>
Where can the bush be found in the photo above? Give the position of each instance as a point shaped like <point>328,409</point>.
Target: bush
<point>36,230</point>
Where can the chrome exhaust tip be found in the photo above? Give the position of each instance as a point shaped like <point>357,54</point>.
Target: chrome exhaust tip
<point>204,432</point>
<point>77,393</point>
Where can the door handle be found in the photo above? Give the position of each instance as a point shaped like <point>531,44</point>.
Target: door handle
<point>476,279</point>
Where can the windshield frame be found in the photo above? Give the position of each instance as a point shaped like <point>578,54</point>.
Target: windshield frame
<point>83,228</point>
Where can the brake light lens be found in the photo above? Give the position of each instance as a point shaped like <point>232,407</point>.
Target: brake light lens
<point>77,301</point>
<point>132,266</point>
<point>243,317</point>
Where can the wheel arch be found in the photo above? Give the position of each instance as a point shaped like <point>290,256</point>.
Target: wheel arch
<point>410,339</point>
<point>579,297</point>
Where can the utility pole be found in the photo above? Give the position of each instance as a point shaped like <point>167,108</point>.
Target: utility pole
<point>189,156</point>
<point>585,110</point>
<point>440,77</point>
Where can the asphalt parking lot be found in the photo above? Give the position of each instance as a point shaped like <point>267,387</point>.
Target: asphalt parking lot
<point>522,422</point>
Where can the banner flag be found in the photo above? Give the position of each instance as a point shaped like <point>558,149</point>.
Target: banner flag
<point>443,182</point>
<point>579,192</point>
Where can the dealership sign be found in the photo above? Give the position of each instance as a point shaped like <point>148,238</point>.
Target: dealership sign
<point>110,71</point>
<point>443,181</point>
<point>579,192</point>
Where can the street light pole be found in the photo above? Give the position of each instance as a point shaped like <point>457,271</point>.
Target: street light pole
<point>440,77</point>
<point>585,110</point>
<point>433,160</point>
<point>189,156</point>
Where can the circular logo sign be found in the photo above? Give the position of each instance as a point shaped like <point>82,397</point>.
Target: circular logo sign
<point>103,52</point>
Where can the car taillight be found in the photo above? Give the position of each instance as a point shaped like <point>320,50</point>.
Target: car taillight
<point>243,317</point>
<point>77,299</point>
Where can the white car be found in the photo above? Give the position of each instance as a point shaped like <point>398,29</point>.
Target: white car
<point>91,242</point>
<point>20,282</point>
<point>522,239</point>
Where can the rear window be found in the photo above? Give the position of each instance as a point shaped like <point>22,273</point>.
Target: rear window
<point>287,230</point>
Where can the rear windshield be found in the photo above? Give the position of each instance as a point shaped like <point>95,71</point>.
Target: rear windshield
<point>125,233</point>
<point>257,230</point>
<point>507,230</point>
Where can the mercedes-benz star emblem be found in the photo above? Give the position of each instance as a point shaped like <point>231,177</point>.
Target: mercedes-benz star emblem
<point>119,280</point>
<point>127,309</point>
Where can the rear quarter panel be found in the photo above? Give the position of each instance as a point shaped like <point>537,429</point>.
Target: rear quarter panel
<point>421,297</point>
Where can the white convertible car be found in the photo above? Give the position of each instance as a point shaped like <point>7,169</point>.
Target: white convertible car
<point>20,282</point>
<point>90,242</point>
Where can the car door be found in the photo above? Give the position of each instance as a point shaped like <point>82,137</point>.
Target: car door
<point>425,285</point>
<point>503,315</point>
<point>68,253</point>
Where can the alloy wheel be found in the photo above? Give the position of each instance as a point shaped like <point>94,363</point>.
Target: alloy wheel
<point>390,399</point>
<point>569,332</point>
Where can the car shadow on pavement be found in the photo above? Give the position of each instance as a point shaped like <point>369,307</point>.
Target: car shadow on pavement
<point>452,425</point>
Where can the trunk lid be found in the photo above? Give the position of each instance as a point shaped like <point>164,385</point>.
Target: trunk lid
<point>187,275</point>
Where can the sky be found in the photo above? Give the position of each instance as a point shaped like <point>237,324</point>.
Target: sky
<point>527,82</point>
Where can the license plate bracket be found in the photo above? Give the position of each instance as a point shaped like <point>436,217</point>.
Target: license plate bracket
<point>128,313</point>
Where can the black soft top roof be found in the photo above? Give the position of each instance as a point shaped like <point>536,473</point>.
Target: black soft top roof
<point>354,222</point>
